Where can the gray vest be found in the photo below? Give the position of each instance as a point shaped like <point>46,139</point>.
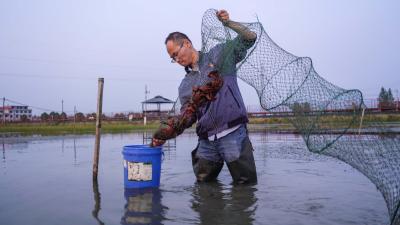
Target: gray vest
<point>228,109</point>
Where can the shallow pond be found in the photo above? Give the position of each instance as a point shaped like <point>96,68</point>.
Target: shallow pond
<point>48,180</point>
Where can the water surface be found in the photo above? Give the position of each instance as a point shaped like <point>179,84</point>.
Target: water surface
<point>47,180</point>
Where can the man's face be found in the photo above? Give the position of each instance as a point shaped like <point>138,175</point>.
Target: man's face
<point>180,53</point>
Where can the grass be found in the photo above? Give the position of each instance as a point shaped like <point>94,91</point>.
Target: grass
<point>78,128</point>
<point>271,123</point>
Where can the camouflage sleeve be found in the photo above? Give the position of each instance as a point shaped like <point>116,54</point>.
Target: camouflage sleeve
<point>240,47</point>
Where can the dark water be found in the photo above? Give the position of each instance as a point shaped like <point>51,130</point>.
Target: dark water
<point>48,181</point>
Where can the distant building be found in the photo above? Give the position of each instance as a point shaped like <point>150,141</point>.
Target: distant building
<point>14,113</point>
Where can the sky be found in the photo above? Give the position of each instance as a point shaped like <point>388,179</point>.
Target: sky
<point>54,51</point>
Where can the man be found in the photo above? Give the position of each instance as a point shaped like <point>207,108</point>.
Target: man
<point>221,123</point>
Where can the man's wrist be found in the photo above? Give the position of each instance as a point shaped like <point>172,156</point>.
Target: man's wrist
<point>226,23</point>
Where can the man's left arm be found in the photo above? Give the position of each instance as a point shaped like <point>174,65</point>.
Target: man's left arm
<point>240,29</point>
<point>245,39</point>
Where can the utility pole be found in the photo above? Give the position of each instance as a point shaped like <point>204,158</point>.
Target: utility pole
<point>397,100</point>
<point>145,105</point>
<point>4,111</point>
<point>62,106</point>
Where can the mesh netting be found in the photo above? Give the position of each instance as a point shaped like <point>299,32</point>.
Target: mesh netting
<point>328,117</point>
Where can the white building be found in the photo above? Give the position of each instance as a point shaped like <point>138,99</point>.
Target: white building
<point>14,113</point>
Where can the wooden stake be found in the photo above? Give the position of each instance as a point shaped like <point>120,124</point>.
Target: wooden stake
<point>97,202</point>
<point>98,128</point>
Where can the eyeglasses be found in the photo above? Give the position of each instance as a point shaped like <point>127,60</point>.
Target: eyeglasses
<point>173,57</point>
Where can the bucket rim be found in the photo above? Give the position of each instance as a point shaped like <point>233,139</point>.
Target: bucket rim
<point>141,150</point>
<point>141,146</point>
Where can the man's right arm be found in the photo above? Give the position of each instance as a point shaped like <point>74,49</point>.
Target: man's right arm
<point>184,120</point>
<point>191,118</point>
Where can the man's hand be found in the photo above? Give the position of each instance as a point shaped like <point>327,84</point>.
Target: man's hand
<point>156,142</point>
<point>223,16</point>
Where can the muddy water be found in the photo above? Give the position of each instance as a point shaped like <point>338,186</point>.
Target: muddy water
<point>48,181</point>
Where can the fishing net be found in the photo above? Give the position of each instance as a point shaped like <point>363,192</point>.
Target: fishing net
<point>331,120</point>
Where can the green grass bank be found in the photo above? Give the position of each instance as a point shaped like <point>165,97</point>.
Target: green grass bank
<point>256,124</point>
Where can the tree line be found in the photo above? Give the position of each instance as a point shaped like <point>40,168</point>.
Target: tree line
<point>386,100</point>
<point>80,117</point>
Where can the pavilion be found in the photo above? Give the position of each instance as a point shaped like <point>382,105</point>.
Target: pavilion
<point>158,101</point>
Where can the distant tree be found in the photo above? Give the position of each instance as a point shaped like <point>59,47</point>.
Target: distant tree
<point>79,117</point>
<point>91,116</point>
<point>24,118</point>
<point>44,117</point>
<point>63,116</point>
<point>54,116</point>
<point>303,107</point>
<point>382,95</point>
<point>386,99</point>
<point>120,116</point>
<point>390,97</point>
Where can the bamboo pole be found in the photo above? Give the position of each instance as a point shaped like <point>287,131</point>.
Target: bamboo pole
<point>98,128</point>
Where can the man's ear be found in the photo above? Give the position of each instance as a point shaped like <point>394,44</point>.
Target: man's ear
<point>187,43</point>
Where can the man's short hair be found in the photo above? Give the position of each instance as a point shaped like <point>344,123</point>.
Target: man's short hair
<point>177,37</point>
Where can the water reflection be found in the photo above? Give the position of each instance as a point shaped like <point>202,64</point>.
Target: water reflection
<point>75,151</point>
<point>219,204</point>
<point>10,142</point>
<point>62,145</point>
<point>4,149</point>
<point>67,146</point>
<point>97,202</point>
<point>143,206</point>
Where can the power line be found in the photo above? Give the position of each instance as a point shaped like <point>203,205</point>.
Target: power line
<point>23,75</point>
<point>51,61</point>
<point>39,76</point>
<point>71,111</point>
<point>34,107</point>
